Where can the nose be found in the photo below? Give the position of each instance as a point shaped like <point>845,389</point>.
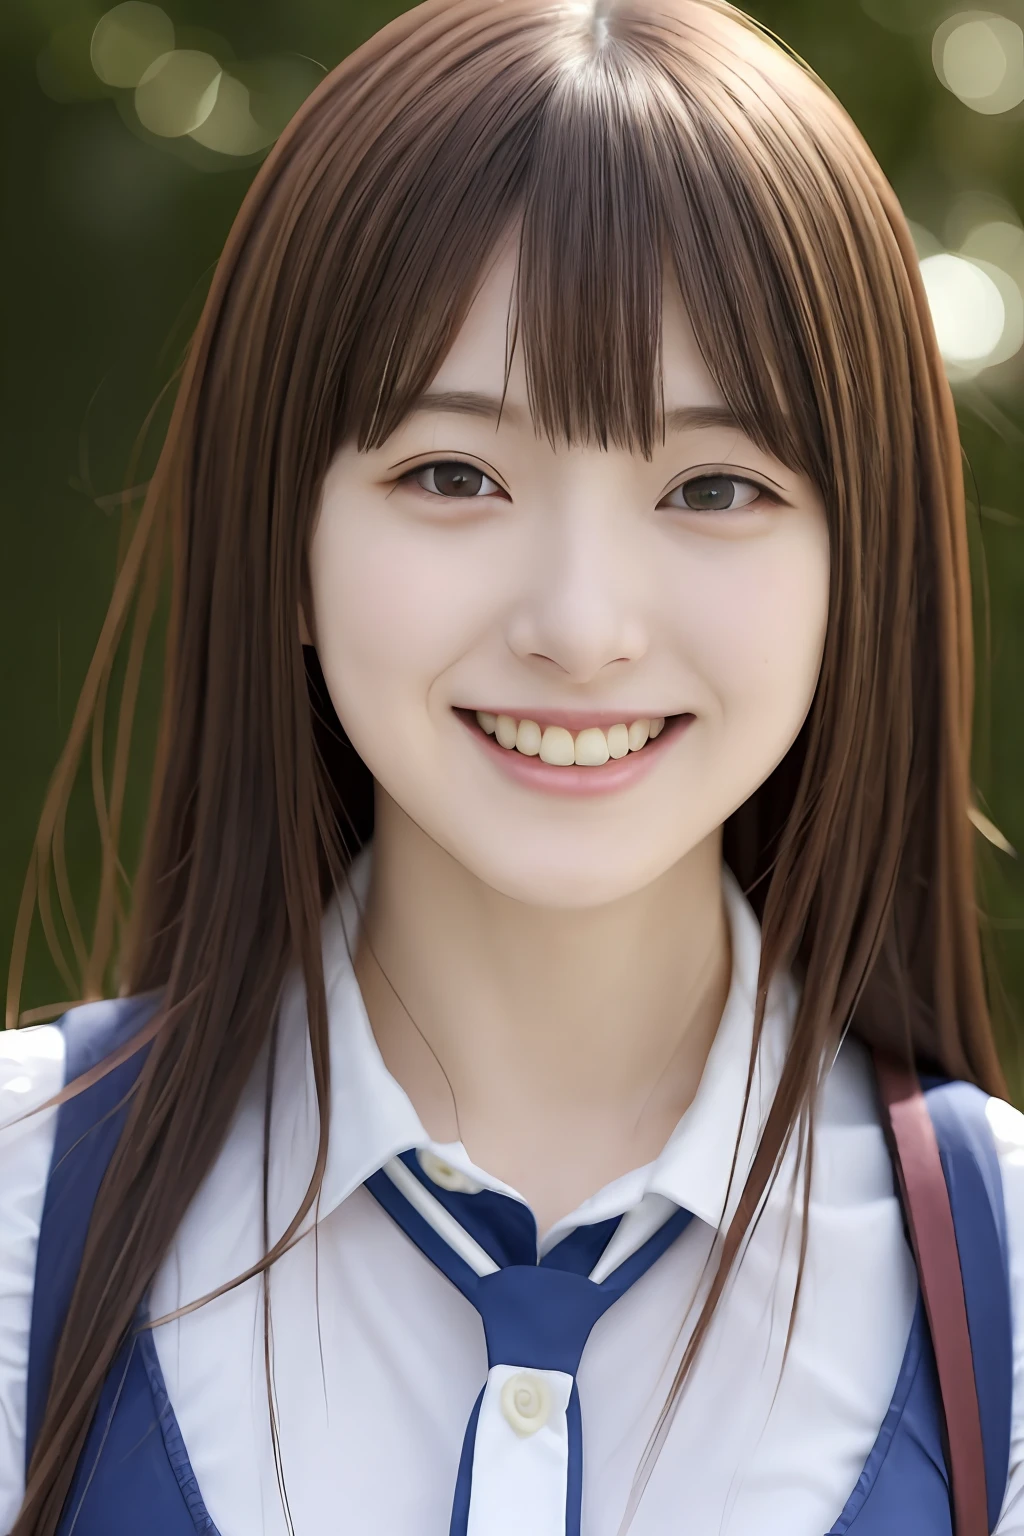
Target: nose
<point>580,608</point>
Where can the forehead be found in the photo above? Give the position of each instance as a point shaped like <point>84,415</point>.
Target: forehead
<point>477,358</point>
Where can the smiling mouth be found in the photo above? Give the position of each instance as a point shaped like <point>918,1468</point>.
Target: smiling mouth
<point>589,747</point>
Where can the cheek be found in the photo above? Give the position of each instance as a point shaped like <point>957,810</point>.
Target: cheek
<point>758,625</point>
<point>394,607</point>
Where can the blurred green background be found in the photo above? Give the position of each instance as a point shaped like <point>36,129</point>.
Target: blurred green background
<point>130,135</point>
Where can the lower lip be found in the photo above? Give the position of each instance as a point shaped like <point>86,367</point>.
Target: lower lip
<point>616,773</point>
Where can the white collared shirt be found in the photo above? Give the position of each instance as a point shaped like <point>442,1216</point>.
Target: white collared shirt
<point>374,1394</point>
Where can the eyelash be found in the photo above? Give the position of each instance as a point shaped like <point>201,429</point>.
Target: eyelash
<point>409,478</point>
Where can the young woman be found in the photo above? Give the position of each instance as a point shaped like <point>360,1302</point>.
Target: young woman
<point>563,484</point>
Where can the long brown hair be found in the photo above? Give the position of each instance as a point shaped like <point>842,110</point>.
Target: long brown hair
<point>623,141</point>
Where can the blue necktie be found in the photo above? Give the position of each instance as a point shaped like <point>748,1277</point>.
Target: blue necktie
<point>522,1456</point>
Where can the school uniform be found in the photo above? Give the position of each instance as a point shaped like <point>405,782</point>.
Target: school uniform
<point>440,1367</point>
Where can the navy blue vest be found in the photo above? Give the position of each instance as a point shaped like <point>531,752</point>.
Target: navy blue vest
<point>134,1473</point>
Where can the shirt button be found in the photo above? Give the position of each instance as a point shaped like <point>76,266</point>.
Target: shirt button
<point>526,1402</point>
<point>445,1176</point>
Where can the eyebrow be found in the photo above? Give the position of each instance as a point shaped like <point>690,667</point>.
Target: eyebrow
<point>460,402</point>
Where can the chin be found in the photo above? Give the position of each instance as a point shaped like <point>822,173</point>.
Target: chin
<point>564,883</point>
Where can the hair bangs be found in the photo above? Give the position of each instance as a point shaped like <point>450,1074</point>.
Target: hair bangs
<point>608,162</point>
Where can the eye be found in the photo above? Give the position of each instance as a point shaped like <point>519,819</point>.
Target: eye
<point>452,477</point>
<point>717,493</point>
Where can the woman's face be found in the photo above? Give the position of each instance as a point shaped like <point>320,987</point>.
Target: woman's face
<point>468,566</point>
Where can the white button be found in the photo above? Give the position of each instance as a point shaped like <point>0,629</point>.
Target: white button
<point>526,1402</point>
<point>445,1176</point>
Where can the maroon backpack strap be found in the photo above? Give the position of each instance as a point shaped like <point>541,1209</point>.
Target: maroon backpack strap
<point>915,1150</point>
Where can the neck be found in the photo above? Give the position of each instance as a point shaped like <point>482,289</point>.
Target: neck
<point>560,1047</point>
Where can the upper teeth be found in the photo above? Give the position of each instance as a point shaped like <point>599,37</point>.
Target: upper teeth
<point>554,744</point>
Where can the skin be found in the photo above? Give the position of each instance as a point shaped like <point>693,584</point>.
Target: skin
<point>544,974</point>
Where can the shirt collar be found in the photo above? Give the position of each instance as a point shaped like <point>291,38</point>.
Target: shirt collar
<point>373,1119</point>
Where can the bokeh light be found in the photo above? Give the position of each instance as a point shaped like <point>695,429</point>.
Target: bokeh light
<point>925,243</point>
<point>967,308</point>
<point>998,249</point>
<point>127,40</point>
<point>277,87</point>
<point>983,251</point>
<point>979,57</point>
<point>178,87</point>
<point>230,127</point>
<point>970,210</point>
<point>904,15</point>
<point>999,242</point>
<point>178,92</point>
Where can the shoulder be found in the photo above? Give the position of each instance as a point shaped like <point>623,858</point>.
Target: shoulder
<point>31,1072</point>
<point>990,1132</point>
<point>969,1123</point>
<point>35,1064</point>
<point>29,1056</point>
<point>94,1030</point>
<point>1006,1127</point>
